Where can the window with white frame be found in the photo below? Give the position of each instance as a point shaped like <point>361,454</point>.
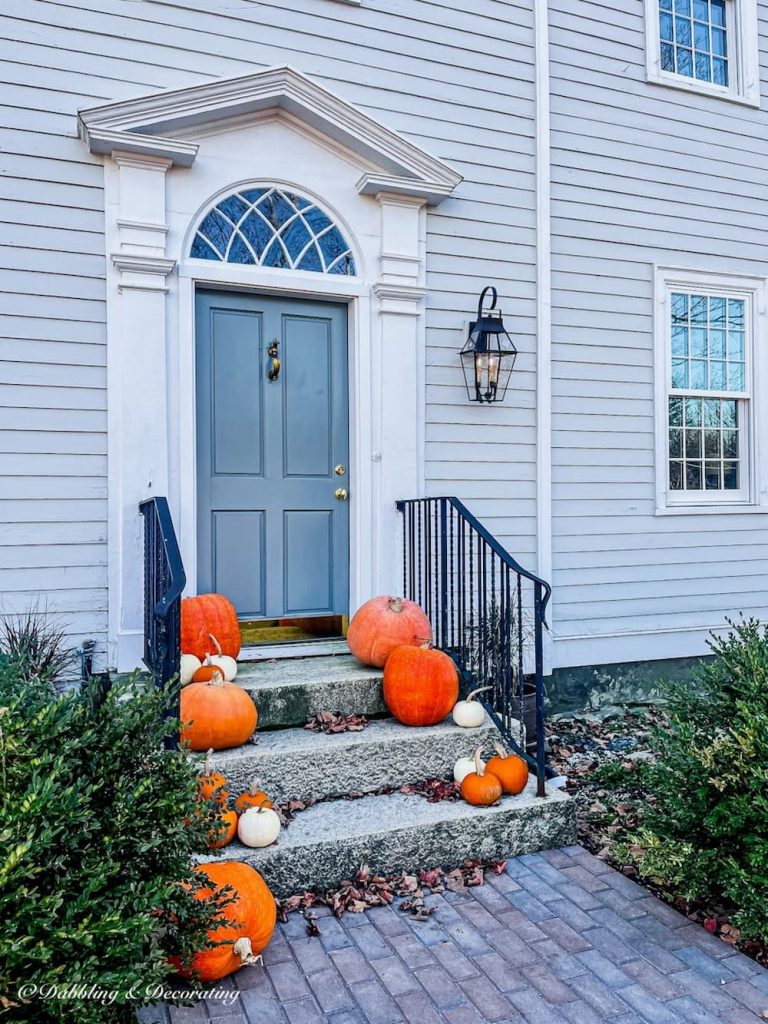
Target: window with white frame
<point>705,46</point>
<point>705,330</point>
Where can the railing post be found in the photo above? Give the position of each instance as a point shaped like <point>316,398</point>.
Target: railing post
<point>538,601</point>
<point>443,572</point>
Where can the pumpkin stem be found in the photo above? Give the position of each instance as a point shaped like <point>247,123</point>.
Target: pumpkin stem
<point>216,644</point>
<point>261,804</point>
<point>254,787</point>
<point>396,604</point>
<point>479,766</point>
<point>480,689</point>
<point>244,950</point>
<point>500,750</point>
<point>207,762</point>
<point>217,679</point>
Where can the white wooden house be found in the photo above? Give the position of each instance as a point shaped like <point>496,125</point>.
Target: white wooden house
<point>603,164</point>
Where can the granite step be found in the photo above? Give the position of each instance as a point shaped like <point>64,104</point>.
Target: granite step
<point>329,841</point>
<point>288,692</point>
<point>301,764</point>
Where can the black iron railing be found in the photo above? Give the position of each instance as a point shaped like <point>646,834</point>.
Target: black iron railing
<point>487,613</point>
<point>164,581</point>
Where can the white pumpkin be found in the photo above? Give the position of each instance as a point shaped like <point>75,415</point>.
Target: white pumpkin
<point>463,767</point>
<point>227,664</point>
<point>189,665</point>
<point>258,826</point>
<point>469,713</point>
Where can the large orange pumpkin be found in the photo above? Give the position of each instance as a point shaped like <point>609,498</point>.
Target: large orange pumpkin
<point>246,924</point>
<point>216,715</point>
<point>384,623</point>
<point>421,685</point>
<point>205,615</point>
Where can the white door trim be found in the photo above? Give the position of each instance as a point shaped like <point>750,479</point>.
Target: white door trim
<point>357,297</point>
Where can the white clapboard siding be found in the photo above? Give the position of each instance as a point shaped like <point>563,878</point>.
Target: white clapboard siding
<point>456,79</point>
<point>640,175</point>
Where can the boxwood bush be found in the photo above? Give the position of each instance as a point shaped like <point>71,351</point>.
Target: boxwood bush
<point>98,826</point>
<point>706,832</point>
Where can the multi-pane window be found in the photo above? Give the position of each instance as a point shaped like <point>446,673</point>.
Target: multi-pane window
<point>693,37</point>
<point>707,355</point>
<point>705,46</point>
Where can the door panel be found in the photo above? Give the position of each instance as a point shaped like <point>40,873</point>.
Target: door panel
<point>271,534</point>
<point>237,413</point>
<point>308,404</point>
<point>238,554</point>
<point>309,560</point>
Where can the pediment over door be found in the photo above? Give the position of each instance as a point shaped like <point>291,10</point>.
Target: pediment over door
<point>160,125</point>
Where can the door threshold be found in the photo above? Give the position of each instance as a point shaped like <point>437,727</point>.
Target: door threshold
<point>297,649</point>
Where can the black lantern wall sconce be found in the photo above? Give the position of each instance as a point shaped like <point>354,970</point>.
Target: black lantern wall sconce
<point>489,354</point>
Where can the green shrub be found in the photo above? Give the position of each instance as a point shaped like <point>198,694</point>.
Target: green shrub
<point>93,846</point>
<point>706,832</point>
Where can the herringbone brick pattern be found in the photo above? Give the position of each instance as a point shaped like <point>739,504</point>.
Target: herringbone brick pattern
<point>559,938</point>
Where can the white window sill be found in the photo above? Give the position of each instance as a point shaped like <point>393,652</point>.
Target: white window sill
<point>711,510</point>
<point>749,99</point>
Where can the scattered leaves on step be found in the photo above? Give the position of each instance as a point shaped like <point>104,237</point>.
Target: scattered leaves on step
<point>354,896</point>
<point>434,790</point>
<point>287,812</point>
<point>329,722</point>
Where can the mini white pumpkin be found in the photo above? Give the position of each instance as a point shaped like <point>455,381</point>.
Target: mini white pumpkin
<point>189,665</point>
<point>463,767</point>
<point>227,664</point>
<point>258,826</point>
<point>469,713</point>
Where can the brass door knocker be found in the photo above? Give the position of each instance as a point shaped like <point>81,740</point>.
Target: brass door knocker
<point>273,352</point>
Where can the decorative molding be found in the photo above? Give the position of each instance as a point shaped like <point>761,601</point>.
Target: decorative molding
<point>141,125</point>
<point>101,140</point>
<point>145,273</point>
<point>429,192</point>
<point>400,299</point>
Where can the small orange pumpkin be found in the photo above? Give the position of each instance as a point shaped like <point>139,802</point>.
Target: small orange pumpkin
<point>384,623</point>
<point>212,784</point>
<point>224,830</point>
<point>509,769</point>
<point>421,685</point>
<point>206,671</point>
<point>252,797</point>
<point>216,714</point>
<point>206,614</point>
<point>246,924</point>
<point>480,787</point>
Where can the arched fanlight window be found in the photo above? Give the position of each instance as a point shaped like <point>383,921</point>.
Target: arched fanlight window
<point>270,227</point>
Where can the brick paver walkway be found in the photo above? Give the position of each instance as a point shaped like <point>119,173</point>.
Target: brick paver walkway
<point>559,937</point>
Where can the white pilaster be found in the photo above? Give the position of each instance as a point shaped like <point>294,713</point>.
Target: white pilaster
<point>399,371</point>
<point>137,370</point>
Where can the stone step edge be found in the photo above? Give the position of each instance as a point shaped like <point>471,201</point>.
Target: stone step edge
<point>319,849</point>
<point>304,765</point>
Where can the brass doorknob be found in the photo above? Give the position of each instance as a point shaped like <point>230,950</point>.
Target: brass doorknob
<point>340,470</point>
<point>341,494</point>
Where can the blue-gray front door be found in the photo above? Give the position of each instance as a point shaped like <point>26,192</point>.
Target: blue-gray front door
<point>273,535</point>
